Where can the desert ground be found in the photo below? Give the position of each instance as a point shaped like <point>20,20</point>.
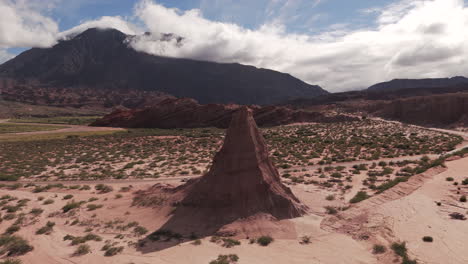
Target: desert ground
<point>377,192</point>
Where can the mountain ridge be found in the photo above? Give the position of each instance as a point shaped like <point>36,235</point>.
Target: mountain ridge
<point>102,59</point>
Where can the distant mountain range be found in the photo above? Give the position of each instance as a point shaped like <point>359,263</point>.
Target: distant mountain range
<point>399,84</point>
<point>101,60</point>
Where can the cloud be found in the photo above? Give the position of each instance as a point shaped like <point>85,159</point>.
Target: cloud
<point>412,39</point>
<point>118,23</point>
<point>23,25</point>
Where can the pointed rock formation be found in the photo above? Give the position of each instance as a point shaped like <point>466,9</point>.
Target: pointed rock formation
<point>242,180</point>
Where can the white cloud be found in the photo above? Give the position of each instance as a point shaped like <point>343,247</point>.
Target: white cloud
<point>413,39</point>
<point>118,23</point>
<point>23,25</point>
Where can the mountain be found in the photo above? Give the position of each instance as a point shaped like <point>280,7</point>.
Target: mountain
<point>399,84</point>
<point>102,60</point>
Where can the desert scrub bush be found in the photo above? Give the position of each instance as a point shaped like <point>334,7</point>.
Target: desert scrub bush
<point>449,179</point>
<point>14,245</point>
<point>9,216</point>
<point>71,205</point>
<point>331,210</point>
<point>264,240</point>
<point>85,188</point>
<point>11,261</point>
<point>118,196</point>
<point>92,207</point>
<point>12,229</point>
<point>463,199</point>
<point>379,249</point>
<point>102,188</point>
<point>36,211</point>
<point>225,259</point>
<point>68,197</point>
<point>330,197</point>
<point>305,240</point>
<point>47,229</point>
<point>82,239</point>
<point>225,242</point>
<point>82,250</point>
<point>359,197</point>
<point>139,230</point>
<point>48,201</point>
<point>92,199</point>
<point>428,239</point>
<point>113,251</point>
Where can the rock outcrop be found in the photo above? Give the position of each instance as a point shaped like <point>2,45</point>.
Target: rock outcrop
<point>242,180</point>
<point>187,113</point>
<point>448,110</point>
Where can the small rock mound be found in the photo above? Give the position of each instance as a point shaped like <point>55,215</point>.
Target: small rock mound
<point>242,180</point>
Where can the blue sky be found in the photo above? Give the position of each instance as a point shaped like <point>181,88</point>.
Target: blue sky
<point>337,44</point>
<point>304,16</point>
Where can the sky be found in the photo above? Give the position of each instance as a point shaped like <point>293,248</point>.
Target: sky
<point>338,44</point>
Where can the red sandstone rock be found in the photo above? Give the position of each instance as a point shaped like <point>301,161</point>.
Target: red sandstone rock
<point>187,113</point>
<point>242,180</point>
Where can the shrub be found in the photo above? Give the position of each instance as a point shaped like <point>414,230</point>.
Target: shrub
<point>82,250</point>
<point>331,210</point>
<point>36,211</point>
<point>139,230</point>
<point>92,207</point>
<point>14,245</point>
<point>102,188</point>
<point>113,251</point>
<point>449,179</point>
<point>11,261</point>
<point>463,199</point>
<point>164,234</point>
<point>196,242</point>
<point>68,197</point>
<point>47,229</point>
<point>12,229</point>
<point>360,196</point>
<point>427,239</point>
<point>70,206</point>
<point>229,242</point>
<point>225,259</point>
<point>264,240</point>
<point>48,201</point>
<point>305,240</point>
<point>330,197</point>
<point>118,196</point>
<point>379,249</point>
<point>400,249</point>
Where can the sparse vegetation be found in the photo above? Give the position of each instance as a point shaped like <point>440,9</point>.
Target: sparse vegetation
<point>225,259</point>
<point>264,240</point>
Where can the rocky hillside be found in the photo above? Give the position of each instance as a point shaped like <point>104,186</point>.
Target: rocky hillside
<point>447,110</point>
<point>101,60</point>
<point>187,113</point>
<point>399,84</point>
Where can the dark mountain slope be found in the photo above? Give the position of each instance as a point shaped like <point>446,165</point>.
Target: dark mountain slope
<point>399,84</point>
<point>101,59</point>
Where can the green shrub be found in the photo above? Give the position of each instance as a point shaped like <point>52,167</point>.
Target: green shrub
<point>48,201</point>
<point>11,261</point>
<point>427,239</point>
<point>36,211</point>
<point>225,259</point>
<point>139,230</point>
<point>70,206</point>
<point>360,196</point>
<point>46,230</point>
<point>449,179</point>
<point>14,245</point>
<point>264,240</point>
<point>82,250</point>
<point>12,229</point>
<point>102,188</point>
<point>113,251</point>
<point>379,249</point>
<point>463,199</point>
<point>68,197</point>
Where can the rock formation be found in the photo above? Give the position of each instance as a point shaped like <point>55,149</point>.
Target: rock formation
<point>187,113</point>
<point>242,180</point>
